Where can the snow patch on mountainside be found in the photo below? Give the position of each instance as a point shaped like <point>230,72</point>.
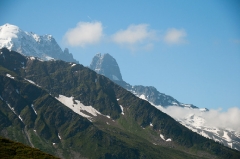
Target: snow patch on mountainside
<point>12,109</point>
<point>48,58</point>
<point>10,76</point>
<point>59,137</point>
<point>162,137</point>
<point>86,111</point>
<point>169,139</point>
<point>143,97</point>
<point>33,109</point>
<point>32,58</point>
<point>20,118</point>
<point>121,109</point>
<point>30,81</point>
<point>225,135</point>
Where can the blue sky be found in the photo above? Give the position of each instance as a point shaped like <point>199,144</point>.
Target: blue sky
<point>187,49</point>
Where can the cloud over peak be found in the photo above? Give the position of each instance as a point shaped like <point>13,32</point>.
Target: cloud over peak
<point>175,36</point>
<point>84,33</point>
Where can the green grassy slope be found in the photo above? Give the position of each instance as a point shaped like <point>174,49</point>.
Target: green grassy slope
<point>10,149</point>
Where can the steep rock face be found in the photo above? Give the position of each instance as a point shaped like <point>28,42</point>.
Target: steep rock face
<point>44,47</point>
<point>106,65</point>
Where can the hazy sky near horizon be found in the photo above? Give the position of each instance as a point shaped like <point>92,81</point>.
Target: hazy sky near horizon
<point>187,49</point>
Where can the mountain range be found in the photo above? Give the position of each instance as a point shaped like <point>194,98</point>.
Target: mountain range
<point>67,110</point>
<point>70,111</point>
<point>106,65</point>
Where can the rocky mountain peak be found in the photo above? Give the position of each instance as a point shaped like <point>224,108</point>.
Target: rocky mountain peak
<point>106,65</point>
<point>44,47</point>
<point>66,51</point>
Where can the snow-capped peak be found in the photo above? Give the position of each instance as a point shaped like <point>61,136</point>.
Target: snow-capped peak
<point>8,31</point>
<point>30,44</point>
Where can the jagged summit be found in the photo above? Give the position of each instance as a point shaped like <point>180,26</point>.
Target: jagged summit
<point>31,44</point>
<point>106,65</point>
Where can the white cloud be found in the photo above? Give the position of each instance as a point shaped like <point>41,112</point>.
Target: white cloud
<point>213,118</point>
<point>175,36</point>
<point>230,118</point>
<point>84,33</point>
<point>135,36</point>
